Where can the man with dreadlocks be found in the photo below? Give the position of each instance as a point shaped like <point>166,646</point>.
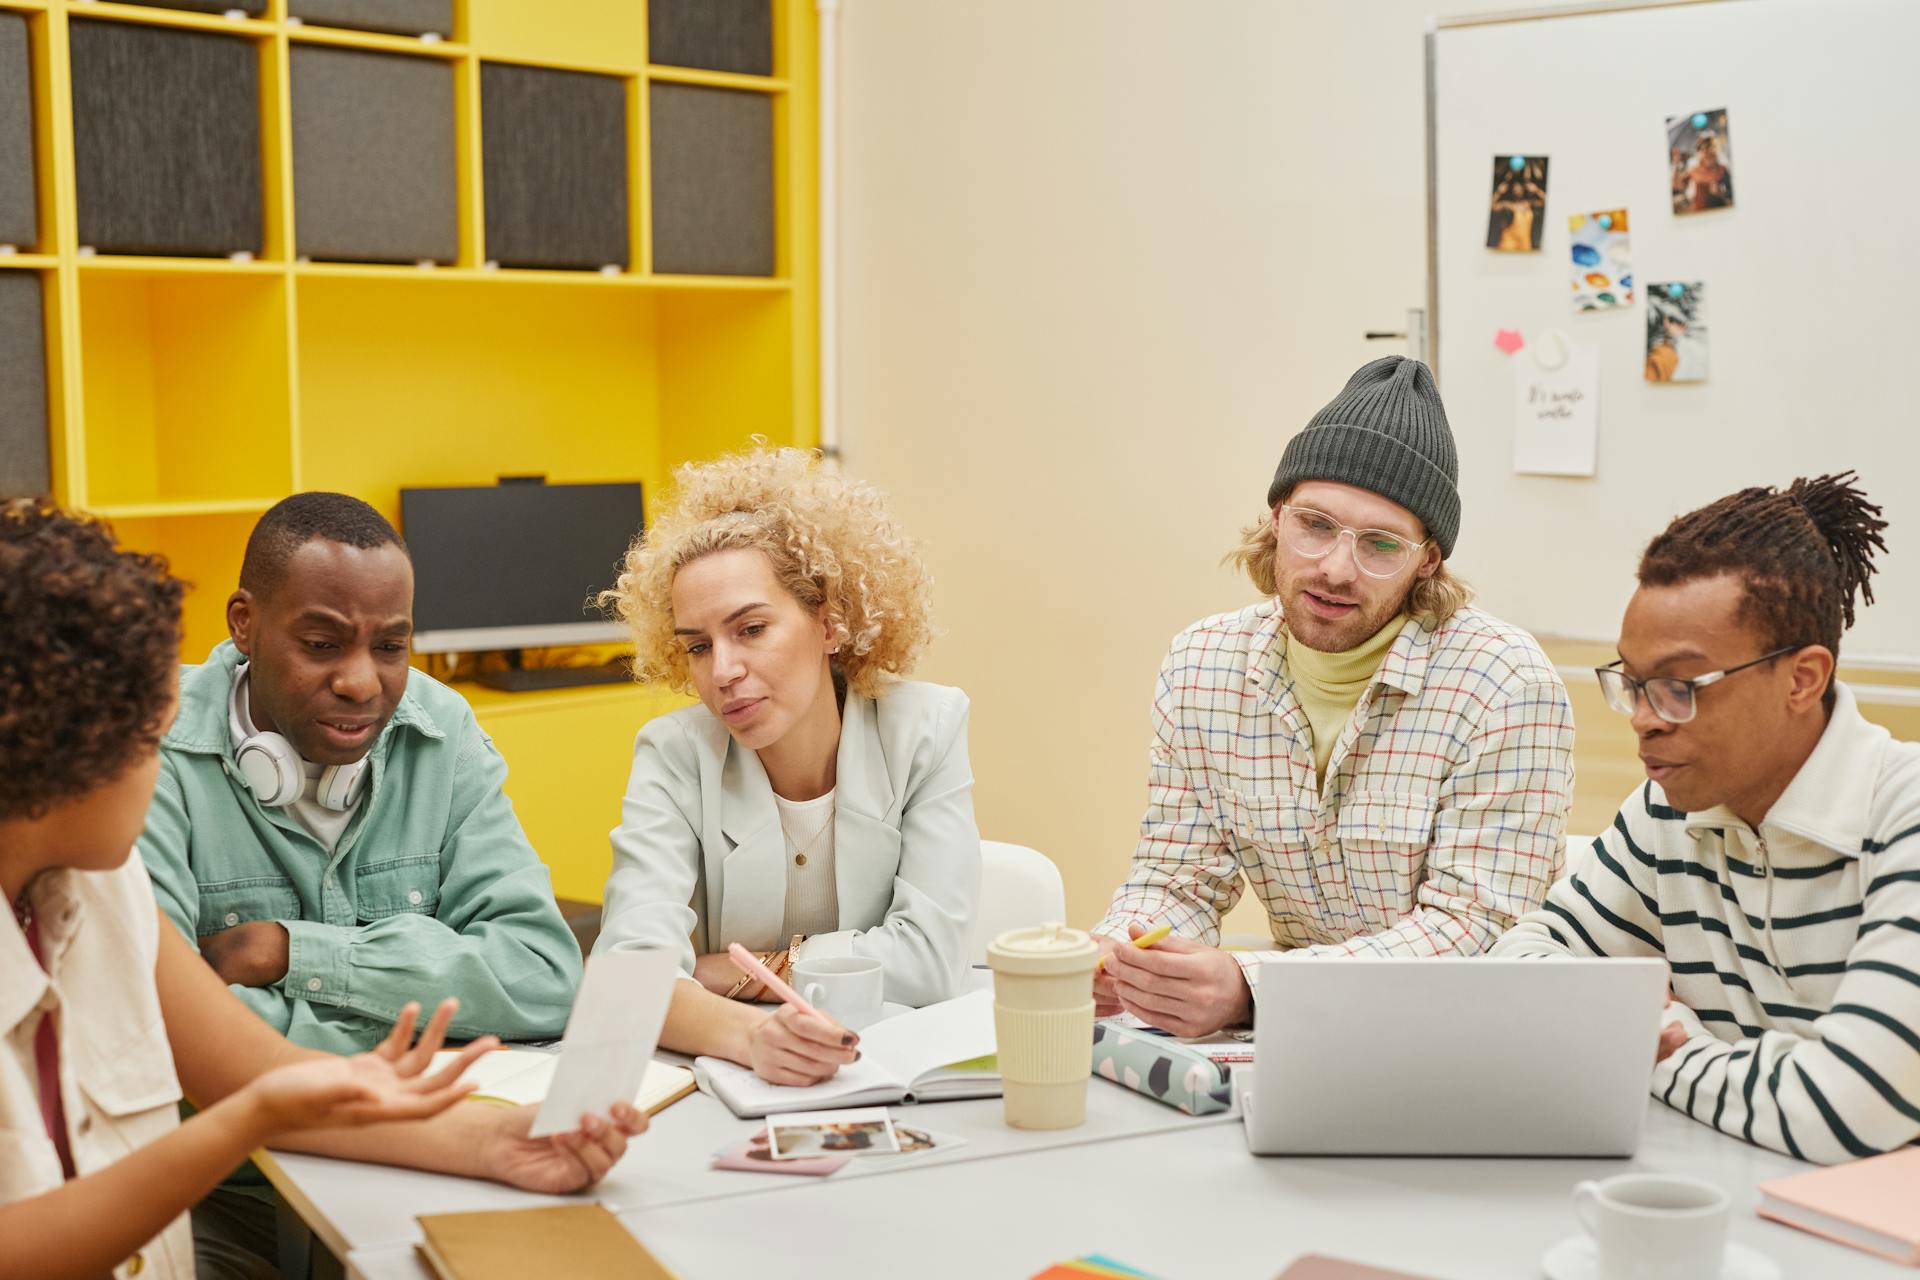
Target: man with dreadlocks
<point>1773,856</point>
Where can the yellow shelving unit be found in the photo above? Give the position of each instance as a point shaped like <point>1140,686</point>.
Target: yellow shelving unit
<point>186,395</point>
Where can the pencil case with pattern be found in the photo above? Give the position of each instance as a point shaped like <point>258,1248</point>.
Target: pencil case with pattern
<point>1165,1070</point>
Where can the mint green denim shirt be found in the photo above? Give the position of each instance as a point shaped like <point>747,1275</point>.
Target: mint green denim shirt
<point>432,890</point>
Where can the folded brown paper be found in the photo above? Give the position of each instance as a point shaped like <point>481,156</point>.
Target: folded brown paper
<point>580,1241</point>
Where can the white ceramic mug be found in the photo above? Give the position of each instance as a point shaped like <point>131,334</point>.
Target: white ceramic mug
<point>1655,1226</point>
<point>845,988</point>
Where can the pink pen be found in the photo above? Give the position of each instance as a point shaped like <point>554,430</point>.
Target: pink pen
<point>750,963</point>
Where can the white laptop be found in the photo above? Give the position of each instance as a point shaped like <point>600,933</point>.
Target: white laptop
<point>1452,1057</point>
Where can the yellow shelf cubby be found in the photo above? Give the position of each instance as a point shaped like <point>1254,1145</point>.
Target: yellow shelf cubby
<point>186,395</point>
<point>187,381</point>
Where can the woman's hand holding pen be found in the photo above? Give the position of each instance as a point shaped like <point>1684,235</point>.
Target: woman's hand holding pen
<point>798,1046</point>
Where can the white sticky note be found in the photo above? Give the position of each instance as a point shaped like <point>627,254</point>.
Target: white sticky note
<point>610,1037</point>
<point>1556,412</point>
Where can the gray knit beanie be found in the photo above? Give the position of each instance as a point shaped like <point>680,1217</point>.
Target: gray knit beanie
<point>1387,433</point>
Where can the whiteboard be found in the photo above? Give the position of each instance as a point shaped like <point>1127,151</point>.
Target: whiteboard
<point>1811,283</point>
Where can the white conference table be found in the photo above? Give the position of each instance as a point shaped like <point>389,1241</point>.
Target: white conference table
<point>353,1207</point>
<point>1172,1195</point>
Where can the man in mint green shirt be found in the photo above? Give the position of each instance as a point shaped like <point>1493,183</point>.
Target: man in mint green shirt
<point>330,826</point>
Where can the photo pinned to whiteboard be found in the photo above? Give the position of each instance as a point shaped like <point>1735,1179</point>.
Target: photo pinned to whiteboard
<point>1602,260</point>
<point>1700,161</point>
<point>1676,332</point>
<point>1556,407</point>
<point>1517,209</point>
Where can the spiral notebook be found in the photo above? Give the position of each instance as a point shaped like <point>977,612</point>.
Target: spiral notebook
<point>935,1054</point>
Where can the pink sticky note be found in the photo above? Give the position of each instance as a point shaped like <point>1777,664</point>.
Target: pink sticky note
<point>1508,340</point>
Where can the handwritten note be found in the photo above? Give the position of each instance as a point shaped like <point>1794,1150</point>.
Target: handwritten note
<point>1556,414</point>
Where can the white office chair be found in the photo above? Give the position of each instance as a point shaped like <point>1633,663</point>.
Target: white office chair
<point>1018,887</point>
<point>1575,847</point>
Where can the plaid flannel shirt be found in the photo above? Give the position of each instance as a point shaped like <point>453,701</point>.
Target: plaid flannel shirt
<point>1441,818</point>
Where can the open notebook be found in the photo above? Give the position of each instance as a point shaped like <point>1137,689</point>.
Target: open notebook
<point>941,1052</point>
<point>521,1076</point>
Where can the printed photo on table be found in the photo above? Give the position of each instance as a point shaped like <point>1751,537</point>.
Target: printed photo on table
<point>1700,161</point>
<point>1676,332</point>
<point>755,1155</point>
<point>823,1133</point>
<point>919,1141</point>
<point>1602,260</point>
<point>1518,205</point>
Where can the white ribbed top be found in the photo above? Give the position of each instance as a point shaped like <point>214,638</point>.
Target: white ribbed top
<point>813,901</point>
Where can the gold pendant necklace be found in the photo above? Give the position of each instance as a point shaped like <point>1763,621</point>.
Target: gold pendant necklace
<point>800,851</point>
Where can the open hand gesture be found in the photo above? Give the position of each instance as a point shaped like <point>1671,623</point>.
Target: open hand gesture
<point>390,1082</point>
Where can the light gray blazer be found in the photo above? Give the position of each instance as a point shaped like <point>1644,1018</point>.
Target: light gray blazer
<point>699,857</point>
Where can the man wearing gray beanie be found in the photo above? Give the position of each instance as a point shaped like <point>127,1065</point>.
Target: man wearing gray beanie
<point>1389,768</point>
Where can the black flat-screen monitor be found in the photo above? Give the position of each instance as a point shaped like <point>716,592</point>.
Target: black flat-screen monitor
<point>517,564</point>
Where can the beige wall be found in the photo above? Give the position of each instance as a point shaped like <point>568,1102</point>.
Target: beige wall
<point>1100,259</point>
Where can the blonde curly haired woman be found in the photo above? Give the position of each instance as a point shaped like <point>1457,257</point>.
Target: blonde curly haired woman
<point>816,803</point>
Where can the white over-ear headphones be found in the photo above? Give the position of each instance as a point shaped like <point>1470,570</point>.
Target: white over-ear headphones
<point>271,767</point>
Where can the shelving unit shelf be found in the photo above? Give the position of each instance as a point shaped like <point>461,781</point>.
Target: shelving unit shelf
<point>186,393</point>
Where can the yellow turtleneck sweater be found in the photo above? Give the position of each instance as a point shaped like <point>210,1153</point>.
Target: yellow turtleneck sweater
<point>1329,685</point>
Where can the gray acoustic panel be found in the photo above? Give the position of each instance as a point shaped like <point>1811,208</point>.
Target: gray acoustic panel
<point>374,176</point>
<point>402,17</point>
<point>19,213</point>
<point>23,387</point>
<point>255,7</point>
<point>554,160</point>
<point>712,181</point>
<point>718,35</point>
<point>166,139</point>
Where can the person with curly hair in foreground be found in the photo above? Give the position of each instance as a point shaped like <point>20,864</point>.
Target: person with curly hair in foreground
<point>109,1016</point>
<point>816,803</point>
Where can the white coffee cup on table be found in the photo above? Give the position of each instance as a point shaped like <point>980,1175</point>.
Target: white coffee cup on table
<point>845,988</point>
<point>1655,1226</point>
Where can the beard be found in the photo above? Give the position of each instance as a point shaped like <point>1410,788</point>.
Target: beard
<point>1376,603</point>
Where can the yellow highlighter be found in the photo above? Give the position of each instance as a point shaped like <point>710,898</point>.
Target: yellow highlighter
<point>1146,939</point>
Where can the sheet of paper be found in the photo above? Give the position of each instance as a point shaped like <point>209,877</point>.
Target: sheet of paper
<point>1556,414</point>
<point>610,1036</point>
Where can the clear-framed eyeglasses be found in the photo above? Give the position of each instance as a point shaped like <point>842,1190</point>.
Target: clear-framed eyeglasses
<point>1379,553</point>
<point>1672,699</point>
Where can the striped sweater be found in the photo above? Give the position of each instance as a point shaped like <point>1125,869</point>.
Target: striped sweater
<point>1795,949</point>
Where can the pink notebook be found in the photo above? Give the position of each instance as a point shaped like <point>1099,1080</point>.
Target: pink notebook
<point>1871,1204</point>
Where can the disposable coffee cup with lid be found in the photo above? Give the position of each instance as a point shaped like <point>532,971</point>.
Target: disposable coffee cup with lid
<point>1043,1018</point>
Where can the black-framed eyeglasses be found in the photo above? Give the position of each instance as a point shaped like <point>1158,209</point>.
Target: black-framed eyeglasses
<point>1671,698</point>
